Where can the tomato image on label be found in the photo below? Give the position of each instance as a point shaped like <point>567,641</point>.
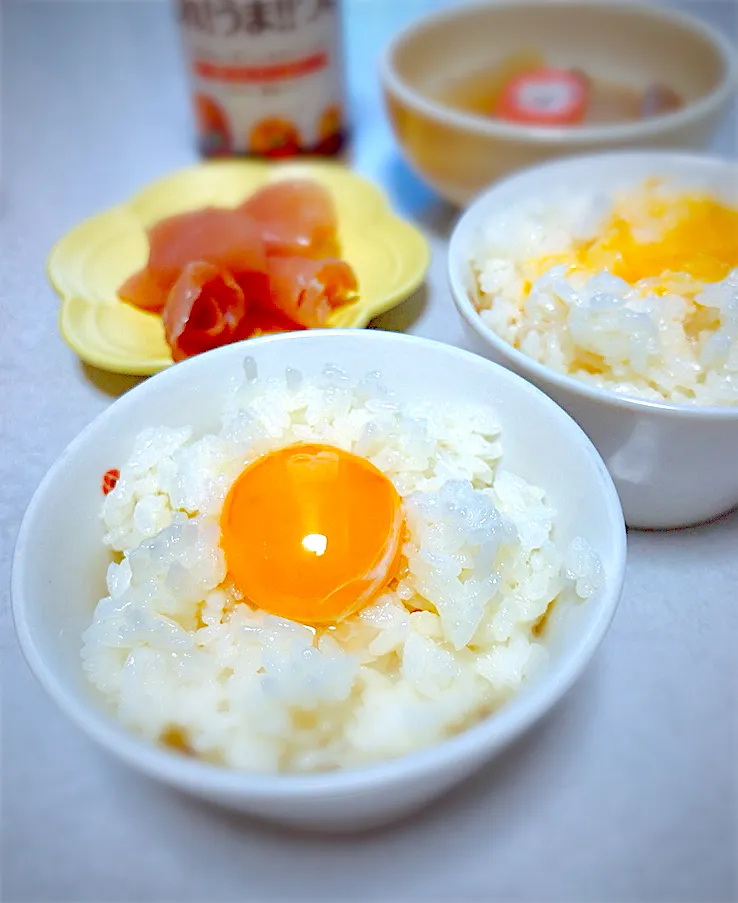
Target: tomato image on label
<point>274,137</point>
<point>213,127</point>
<point>330,131</point>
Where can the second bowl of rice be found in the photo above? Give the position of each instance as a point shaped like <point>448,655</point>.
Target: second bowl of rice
<point>611,283</point>
<point>319,577</point>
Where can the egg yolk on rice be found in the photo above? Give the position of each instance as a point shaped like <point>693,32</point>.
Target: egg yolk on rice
<point>312,533</point>
<point>700,241</point>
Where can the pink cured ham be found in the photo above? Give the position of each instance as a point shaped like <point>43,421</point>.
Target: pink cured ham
<point>204,310</point>
<point>308,291</point>
<point>224,237</point>
<point>297,217</point>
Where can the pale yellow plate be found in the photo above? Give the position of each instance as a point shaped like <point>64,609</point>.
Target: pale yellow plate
<point>88,264</point>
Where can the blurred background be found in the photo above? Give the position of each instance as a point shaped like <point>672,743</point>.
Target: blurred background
<point>98,87</point>
<point>95,104</point>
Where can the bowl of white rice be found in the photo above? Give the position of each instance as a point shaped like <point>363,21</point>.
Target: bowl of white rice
<point>164,600</point>
<point>611,283</point>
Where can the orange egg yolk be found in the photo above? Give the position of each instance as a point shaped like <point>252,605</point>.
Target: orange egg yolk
<point>312,533</point>
<point>702,242</point>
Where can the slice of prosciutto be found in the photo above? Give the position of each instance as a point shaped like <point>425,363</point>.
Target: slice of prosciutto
<point>264,321</point>
<point>296,217</point>
<point>204,310</point>
<point>307,291</point>
<point>227,238</point>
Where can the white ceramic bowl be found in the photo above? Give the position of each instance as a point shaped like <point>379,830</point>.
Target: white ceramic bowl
<point>673,465</point>
<point>60,564</point>
<point>630,43</point>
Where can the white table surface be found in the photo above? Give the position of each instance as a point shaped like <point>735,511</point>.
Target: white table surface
<point>626,792</point>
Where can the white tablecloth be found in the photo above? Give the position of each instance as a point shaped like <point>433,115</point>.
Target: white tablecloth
<point>626,792</point>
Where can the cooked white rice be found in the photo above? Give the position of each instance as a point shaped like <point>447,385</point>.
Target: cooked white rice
<point>179,654</point>
<point>680,347</point>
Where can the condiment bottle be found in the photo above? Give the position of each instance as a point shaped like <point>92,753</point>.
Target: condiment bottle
<point>266,76</point>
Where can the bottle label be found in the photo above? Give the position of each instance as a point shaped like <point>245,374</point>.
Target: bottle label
<point>266,75</point>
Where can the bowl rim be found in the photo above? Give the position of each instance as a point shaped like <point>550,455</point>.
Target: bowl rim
<point>480,205</point>
<point>577,136</point>
<point>488,735</point>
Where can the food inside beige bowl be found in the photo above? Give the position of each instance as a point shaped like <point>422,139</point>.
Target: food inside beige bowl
<point>632,46</point>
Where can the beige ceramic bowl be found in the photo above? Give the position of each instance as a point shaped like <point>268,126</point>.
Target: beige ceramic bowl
<point>630,43</point>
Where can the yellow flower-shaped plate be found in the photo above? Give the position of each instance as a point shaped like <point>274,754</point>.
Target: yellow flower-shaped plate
<point>88,264</point>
